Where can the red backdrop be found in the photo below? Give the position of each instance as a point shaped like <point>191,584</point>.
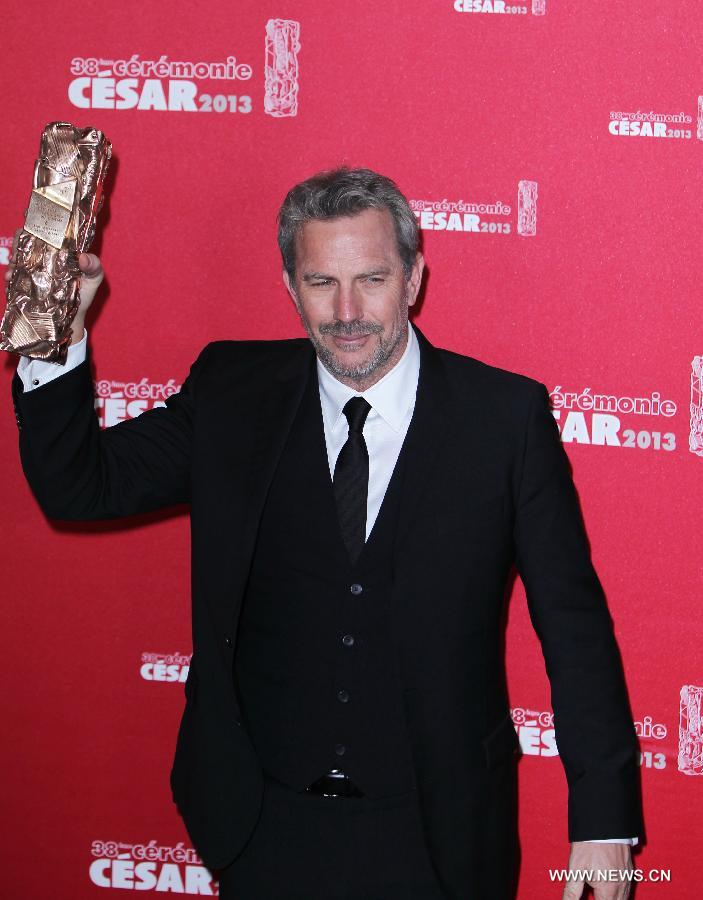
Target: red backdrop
<point>553,152</point>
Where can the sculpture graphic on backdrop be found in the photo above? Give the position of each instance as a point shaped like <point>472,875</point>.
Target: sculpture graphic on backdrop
<point>527,208</point>
<point>42,296</point>
<point>691,730</point>
<point>539,7</point>
<point>281,67</point>
<point>695,438</point>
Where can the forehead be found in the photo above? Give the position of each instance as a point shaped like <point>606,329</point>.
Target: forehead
<point>369,235</point>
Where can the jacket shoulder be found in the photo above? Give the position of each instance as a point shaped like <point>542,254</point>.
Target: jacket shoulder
<point>241,357</point>
<point>254,349</point>
<point>469,373</point>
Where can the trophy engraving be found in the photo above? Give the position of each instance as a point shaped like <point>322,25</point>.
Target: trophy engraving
<point>49,212</point>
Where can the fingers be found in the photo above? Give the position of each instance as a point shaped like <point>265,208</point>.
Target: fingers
<point>601,891</point>
<point>91,278</point>
<point>612,891</point>
<point>89,265</point>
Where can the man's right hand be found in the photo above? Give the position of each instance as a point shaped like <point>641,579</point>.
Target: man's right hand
<point>91,278</point>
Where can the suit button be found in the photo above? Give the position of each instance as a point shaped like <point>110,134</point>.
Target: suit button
<point>343,696</point>
<point>228,641</point>
<point>356,589</point>
<point>348,640</point>
<point>340,749</point>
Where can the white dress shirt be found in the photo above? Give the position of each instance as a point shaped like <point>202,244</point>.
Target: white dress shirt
<point>35,372</point>
<point>392,401</point>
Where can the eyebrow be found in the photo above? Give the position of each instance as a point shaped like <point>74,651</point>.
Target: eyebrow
<point>311,276</point>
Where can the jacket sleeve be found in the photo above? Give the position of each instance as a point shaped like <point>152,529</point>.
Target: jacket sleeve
<point>77,470</point>
<point>593,725</point>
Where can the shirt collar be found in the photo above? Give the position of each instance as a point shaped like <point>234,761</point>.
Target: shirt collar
<point>390,397</point>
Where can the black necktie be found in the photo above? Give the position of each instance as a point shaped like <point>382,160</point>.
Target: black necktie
<point>351,479</point>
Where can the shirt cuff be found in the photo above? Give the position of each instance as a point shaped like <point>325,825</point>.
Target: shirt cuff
<point>35,372</point>
<point>631,841</point>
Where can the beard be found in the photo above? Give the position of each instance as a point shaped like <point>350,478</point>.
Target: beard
<point>382,352</point>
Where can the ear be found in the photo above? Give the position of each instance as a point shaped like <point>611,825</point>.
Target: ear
<point>415,280</point>
<point>290,287</point>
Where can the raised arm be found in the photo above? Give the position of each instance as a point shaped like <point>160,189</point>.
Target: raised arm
<point>78,471</point>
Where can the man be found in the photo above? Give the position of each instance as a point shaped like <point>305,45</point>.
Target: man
<point>357,502</point>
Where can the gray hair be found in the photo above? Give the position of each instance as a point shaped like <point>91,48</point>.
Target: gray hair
<point>346,192</point>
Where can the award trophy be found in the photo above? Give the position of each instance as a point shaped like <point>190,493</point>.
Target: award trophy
<point>42,295</point>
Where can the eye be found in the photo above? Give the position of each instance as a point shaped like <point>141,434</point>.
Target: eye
<point>375,279</point>
<point>320,282</point>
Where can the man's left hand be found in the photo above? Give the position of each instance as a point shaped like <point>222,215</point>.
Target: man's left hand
<point>601,859</point>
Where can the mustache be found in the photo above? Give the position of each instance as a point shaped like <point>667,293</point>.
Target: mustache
<point>356,328</point>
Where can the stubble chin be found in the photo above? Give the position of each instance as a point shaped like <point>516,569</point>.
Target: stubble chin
<point>340,366</point>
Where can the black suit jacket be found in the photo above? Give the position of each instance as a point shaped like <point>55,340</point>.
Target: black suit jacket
<point>488,486</point>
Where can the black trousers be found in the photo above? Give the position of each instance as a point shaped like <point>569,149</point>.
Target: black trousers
<point>308,847</point>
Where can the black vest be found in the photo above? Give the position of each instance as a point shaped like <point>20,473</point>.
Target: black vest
<point>315,668</point>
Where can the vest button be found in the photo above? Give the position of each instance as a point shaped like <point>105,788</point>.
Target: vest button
<point>348,640</point>
<point>340,749</point>
<point>356,589</point>
<point>343,696</point>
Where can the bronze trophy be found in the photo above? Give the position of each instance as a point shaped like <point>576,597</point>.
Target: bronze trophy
<point>43,295</point>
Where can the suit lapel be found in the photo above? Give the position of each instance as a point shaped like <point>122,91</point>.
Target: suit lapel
<point>425,437</point>
<point>276,413</point>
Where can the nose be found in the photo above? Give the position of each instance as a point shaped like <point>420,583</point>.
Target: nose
<point>347,307</point>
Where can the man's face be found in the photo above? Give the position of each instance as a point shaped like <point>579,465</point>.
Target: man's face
<point>352,295</point>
